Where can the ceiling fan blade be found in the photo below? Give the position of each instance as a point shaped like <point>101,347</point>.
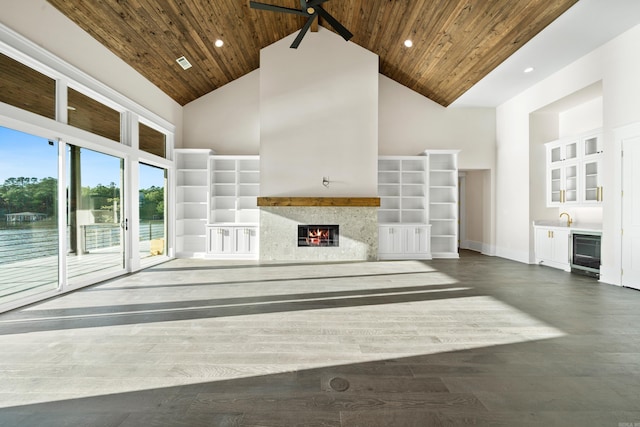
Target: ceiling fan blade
<point>272,8</point>
<point>303,4</point>
<point>346,34</point>
<point>302,32</point>
<point>314,3</point>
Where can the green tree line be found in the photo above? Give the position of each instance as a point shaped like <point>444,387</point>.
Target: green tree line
<point>25,194</point>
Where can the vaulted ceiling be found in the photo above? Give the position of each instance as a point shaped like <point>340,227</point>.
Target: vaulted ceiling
<point>455,42</point>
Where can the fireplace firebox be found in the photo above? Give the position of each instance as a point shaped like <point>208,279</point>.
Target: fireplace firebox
<point>318,235</point>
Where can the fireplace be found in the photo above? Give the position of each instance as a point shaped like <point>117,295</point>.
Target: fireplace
<point>318,235</point>
<point>280,235</point>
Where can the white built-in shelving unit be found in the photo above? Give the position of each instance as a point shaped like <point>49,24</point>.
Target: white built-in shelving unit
<point>234,214</point>
<point>235,185</point>
<point>192,185</point>
<point>402,188</point>
<point>402,217</point>
<point>443,202</point>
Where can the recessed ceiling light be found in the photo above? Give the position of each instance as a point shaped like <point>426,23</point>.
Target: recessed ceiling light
<point>184,63</point>
<point>219,43</point>
<point>528,69</point>
<point>408,43</point>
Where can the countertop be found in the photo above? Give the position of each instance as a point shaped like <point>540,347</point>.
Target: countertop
<point>576,226</point>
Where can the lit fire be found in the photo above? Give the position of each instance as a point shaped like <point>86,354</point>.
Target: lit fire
<point>317,237</point>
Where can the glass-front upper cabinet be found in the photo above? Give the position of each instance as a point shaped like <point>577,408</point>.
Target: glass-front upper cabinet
<point>592,145</point>
<point>574,170</point>
<point>592,191</point>
<point>563,150</point>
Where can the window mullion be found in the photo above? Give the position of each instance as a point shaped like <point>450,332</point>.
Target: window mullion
<point>62,112</point>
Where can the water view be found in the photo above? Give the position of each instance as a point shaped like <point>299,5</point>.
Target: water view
<point>30,256</point>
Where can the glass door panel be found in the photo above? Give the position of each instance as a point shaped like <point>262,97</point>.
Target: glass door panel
<point>151,204</point>
<point>28,215</point>
<point>95,224</point>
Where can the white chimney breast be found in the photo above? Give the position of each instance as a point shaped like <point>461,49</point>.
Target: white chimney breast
<point>318,118</point>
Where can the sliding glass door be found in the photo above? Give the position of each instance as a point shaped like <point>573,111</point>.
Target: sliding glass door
<point>28,215</point>
<point>96,225</point>
<point>62,216</point>
<point>152,224</point>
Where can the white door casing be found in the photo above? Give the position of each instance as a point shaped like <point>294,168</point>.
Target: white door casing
<point>631,212</point>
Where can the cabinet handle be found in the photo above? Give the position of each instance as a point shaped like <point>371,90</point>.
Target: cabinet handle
<point>552,234</point>
<point>599,194</point>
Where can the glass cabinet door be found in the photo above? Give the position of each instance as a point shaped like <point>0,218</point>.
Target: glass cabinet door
<point>570,183</point>
<point>555,183</point>
<point>592,188</point>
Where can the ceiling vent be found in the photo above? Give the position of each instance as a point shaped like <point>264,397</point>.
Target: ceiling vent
<point>184,63</point>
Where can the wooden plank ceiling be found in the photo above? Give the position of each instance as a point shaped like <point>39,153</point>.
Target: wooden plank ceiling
<point>455,42</point>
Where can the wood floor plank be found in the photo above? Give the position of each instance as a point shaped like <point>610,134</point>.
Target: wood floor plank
<point>475,341</point>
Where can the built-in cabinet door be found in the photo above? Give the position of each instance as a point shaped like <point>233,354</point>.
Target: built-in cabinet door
<point>417,240</point>
<point>543,244</point>
<point>563,184</point>
<point>220,240</point>
<point>246,240</point>
<point>390,240</point>
<point>552,247</point>
<point>592,181</point>
<point>404,242</point>
<point>563,151</point>
<point>592,145</point>
<point>560,243</point>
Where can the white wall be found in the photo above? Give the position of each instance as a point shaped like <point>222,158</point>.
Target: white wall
<point>581,118</point>
<point>618,66</point>
<point>226,120</point>
<point>44,25</point>
<point>411,123</point>
<point>318,118</point>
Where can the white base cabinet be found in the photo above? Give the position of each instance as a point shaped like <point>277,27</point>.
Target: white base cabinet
<point>404,241</point>
<point>233,241</point>
<point>552,247</point>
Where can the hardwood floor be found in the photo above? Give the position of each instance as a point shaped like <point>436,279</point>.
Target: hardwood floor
<point>475,341</point>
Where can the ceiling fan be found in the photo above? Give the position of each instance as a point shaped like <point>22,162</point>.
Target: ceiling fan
<point>310,9</point>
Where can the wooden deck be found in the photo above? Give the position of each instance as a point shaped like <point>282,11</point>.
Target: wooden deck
<point>26,278</point>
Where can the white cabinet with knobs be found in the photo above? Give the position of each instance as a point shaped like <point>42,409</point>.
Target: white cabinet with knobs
<point>574,171</point>
<point>232,241</point>
<point>552,247</point>
<point>404,242</point>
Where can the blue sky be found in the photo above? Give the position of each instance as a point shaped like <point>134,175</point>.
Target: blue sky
<point>22,154</point>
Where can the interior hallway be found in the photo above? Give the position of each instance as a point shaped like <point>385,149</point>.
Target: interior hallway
<point>475,341</point>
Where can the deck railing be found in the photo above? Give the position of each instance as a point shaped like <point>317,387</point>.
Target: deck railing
<point>20,244</point>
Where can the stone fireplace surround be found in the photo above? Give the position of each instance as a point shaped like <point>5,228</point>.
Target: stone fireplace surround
<point>356,216</point>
